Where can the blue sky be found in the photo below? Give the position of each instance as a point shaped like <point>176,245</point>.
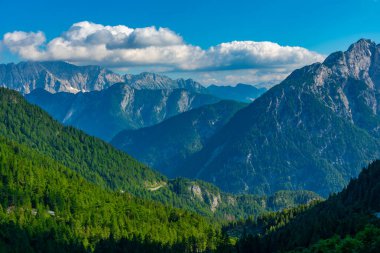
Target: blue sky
<point>320,27</point>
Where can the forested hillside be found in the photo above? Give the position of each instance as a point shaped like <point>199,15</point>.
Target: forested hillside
<point>95,160</point>
<point>45,207</point>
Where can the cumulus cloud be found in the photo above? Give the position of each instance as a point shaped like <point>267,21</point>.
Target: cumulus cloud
<point>259,77</point>
<point>27,45</point>
<point>251,54</point>
<point>146,37</point>
<point>124,47</point>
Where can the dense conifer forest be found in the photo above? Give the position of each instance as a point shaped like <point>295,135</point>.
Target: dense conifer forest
<point>346,222</point>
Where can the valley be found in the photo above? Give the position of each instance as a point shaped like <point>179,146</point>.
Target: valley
<point>120,139</point>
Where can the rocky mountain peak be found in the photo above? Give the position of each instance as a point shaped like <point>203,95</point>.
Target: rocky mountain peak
<point>149,77</point>
<point>346,82</point>
<point>362,46</point>
<point>355,62</point>
<point>359,57</point>
<point>148,80</point>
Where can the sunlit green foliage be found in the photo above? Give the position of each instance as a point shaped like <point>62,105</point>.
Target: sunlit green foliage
<point>41,200</point>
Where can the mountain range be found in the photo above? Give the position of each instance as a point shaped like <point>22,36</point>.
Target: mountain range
<point>55,76</point>
<point>59,76</point>
<point>313,131</point>
<point>103,103</point>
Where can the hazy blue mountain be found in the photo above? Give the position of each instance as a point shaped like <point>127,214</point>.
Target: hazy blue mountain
<point>166,145</point>
<point>241,92</point>
<point>313,131</point>
<point>105,113</point>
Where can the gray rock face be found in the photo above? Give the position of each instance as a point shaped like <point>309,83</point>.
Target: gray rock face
<point>154,81</point>
<point>348,83</point>
<point>58,76</point>
<point>107,112</point>
<point>55,77</point>
<point>313,131</point>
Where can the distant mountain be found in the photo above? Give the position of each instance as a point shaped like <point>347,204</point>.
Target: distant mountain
<point>59,76</point>
<point>241,92</point>
<point>166,145</point>
<point>313,131</point>
<point>55,76</point>
<point>154,81</point>
<point>105,113</point>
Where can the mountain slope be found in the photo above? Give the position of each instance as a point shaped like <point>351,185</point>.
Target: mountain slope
<point>107,112</point>
<point>313,131</point>
<point>95,160</point>
<point>241,92</point>
<point>166,145</point>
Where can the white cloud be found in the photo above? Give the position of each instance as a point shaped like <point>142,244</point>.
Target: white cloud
<point>260,77</point>
<point>146,37</point>
<point>27,45</point>
<point>124,47</point>
<point>251,54</point>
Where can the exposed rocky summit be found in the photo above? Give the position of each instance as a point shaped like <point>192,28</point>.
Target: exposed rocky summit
<point>154,81</point>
